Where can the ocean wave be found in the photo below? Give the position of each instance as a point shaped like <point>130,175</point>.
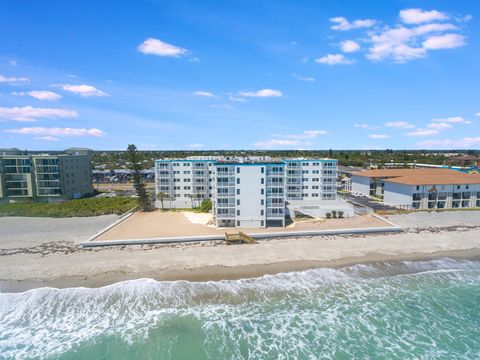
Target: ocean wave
<point>333,312</point>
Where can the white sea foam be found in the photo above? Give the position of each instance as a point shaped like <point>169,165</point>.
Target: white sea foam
<point>299,314</point>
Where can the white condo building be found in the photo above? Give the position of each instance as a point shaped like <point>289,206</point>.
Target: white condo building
<point>249,192</point>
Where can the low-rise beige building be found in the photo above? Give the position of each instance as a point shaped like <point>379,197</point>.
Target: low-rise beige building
<point>420,189</point>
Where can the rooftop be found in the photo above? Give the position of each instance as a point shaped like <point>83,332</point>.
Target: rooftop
<point>422,176</point>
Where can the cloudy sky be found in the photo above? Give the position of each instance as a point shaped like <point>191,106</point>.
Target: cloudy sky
<point>240,74</point>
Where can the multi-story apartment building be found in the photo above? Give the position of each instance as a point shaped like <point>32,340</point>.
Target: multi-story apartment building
<point>44,177</point>
<point>246,192</point>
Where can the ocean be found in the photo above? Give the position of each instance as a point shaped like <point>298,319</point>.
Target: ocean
<point>405,310</point>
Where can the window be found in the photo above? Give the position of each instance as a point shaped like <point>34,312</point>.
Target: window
<point>262,212</point>
<point>418,187</point>
<point>238,223</point>
<point>262,202</point>
<point>262,223</point>
<point>238,212</point>
<point>262,181</point>
<point>238,170</point>
<point>458,187</point>
<point>238,201</point>
<point>262,192</point>
<point>238,180</point>
<point>238,191</point>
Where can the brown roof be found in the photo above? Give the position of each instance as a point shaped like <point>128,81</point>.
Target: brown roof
<point>423,176</point>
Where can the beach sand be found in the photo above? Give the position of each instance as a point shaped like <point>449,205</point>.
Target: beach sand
<point>157,224</point>
<point>65,264</point>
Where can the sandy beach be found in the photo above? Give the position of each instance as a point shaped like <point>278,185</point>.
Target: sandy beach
<point>36,262</point>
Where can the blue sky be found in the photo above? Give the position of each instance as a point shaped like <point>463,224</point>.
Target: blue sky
<point>240,74</point>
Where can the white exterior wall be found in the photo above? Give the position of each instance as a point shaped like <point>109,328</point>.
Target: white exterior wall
<point>175,178</point>
<point>250,191</point>
<point>361,185</point>
<point>398,194</point>
<point>181,181</point>
<point>442,196</point>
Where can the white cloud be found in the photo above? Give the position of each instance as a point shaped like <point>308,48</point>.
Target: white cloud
<point>303,78</point>
<point>378,136</point>
<point>399,125</point>
<point>452,120</point>
<point>477,114</point>
<point>307,134</point>
<point>40,95</point>
<point>343,24</point>
<point>394,44</point>
<point>429,28</point>
<point>439,126</point>
<point>195,146</point>
<point>203,93</point>
<point>237,99</point>
<point>419,16</point>
<point>47,138</point>
<point>366,126</point>
<point>152,46</point>
<point>28,113</point>
<point>56,131</point>
<point>334,59</point>
<point>422,132</point>
<point>401,43</point>
<point>463,143</point>
<point>13,80</point>
<point>261,93</point>
<point>447,41</point>
<point>222,106</point>
<point>83,90</point>
<point>349,46</point>
<point>268,144</point>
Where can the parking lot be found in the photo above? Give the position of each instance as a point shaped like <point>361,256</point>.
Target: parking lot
<point>365,201</point>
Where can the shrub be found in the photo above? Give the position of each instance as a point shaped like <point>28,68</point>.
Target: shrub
<point>205,206</point>
<point>71,208</point>
<point>328,215</point>
<point>340,214</point>
<point>334,214</point>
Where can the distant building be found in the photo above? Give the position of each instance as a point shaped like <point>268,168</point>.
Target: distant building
<point>249,192</point>
<point>44,177</point>
<point>420,188</point>
<point>464,160</point>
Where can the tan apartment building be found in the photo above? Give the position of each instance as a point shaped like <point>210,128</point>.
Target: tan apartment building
<point>44,177</point>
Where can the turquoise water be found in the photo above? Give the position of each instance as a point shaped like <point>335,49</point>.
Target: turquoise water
<point>409,310</point>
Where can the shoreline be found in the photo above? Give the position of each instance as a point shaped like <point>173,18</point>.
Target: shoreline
<point>220,272</point>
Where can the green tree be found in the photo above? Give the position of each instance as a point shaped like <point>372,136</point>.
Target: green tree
<point>135,165</point>
<point>160,197</point>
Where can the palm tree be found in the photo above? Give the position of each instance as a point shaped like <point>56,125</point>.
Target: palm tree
<point>160,197</point>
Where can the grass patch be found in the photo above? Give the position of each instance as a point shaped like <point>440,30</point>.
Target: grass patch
<point>71,208</point>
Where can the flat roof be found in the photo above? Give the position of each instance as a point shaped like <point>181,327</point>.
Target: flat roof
<point>429,176</point>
